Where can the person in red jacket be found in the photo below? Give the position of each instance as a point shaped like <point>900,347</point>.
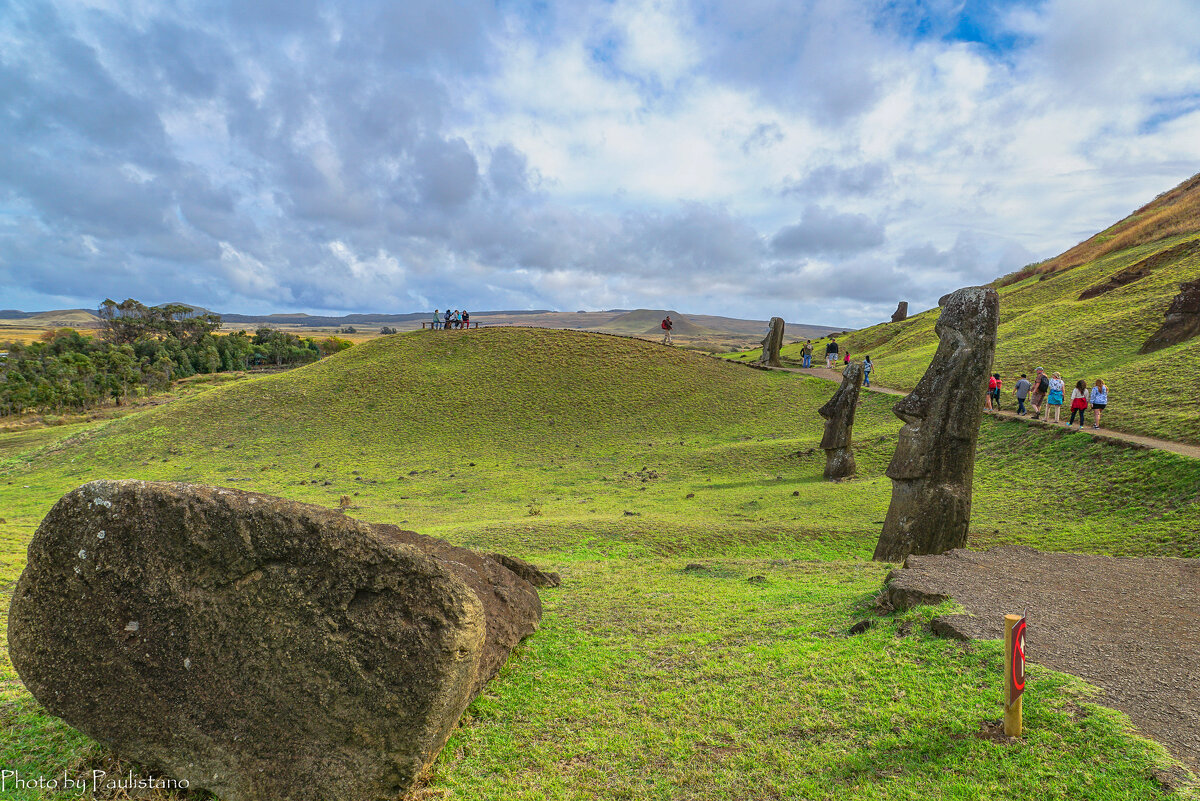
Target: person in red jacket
<point>667,325</point>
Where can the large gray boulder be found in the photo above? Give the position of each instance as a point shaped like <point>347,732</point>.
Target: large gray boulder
<point>257,647</point>
<point>838,412</point>
<point>934,463</point>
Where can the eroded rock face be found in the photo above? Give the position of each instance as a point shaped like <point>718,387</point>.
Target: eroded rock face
<point>771,344</point>
<point>934,462</point>
<point>257,647</point>
<point>838,412</point>
<point>901,312</point>
<point>1182,320</point>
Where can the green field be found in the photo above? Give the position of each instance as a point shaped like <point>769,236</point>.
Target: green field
<point>618,463</point>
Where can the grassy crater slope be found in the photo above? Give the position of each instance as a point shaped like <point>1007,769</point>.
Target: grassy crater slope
<point>1043,323</point>
<point>618,462</point>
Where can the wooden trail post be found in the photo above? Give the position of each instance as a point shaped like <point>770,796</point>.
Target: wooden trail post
<point>1014,672</point>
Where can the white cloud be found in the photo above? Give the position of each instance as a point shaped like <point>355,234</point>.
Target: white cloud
<point>706,155</point>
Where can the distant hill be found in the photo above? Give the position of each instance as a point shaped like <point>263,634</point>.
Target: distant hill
<point>648,321</point>
<point>1087,319</point>
<point>81,318</point>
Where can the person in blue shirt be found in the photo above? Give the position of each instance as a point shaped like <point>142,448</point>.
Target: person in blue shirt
<point>437,319</point>
<point>1099,399</point>
<point>868,366</point>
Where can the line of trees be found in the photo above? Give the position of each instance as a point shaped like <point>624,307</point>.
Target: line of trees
<point>142,349</point>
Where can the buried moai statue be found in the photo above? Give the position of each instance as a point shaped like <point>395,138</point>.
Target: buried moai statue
<point>772,343</point>
<point>901,312</point>
<point>838,412</point>
<point>934,462</point>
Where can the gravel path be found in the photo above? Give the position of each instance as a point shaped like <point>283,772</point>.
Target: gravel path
<point>1105,433</point>
<point>1130,626</point>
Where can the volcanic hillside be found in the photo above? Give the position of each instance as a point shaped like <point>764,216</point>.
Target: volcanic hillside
<point>460,393</point>
<point>1087,320</point>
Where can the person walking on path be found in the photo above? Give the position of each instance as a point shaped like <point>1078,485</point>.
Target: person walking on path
<point>806,352</point>
<point>868,366</point>
<point>846,361</point>
<point>1099,398</point>
<point>1022,392</point>
<point>437,320</point>
<point>1055,398</point>
<point>992,399</point>
<point>831,353</point>
<point>1041,385</point>
<point>1079,403</point>
<point>667,325</point>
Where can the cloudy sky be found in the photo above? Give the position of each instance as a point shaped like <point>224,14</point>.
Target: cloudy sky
<point>814,159</point>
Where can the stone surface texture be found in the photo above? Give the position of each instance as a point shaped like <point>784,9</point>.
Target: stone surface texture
<point>934,463</point>
<point>1182,321</point>
<point>838,412</point>
<point>258,647</point>
<point>771,344</point>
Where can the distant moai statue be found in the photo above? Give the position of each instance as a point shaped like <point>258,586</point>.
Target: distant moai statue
<point>901,312</point>
<point>934,462</point>
<point>838,412</point>
<point>772,343</point>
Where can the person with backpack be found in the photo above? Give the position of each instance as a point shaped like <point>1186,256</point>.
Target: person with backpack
<point>806,352</point>
<point>1022,392</point>
<point>1041,386</point>
<point>846,360</point>
<point>449,318</point>
<point>1099,399</point>
<point>1079,403</point>
<point>1055,399</point>
<point>831,353</point>
<point>667,325</point>
<point>868,366</point>
<point>991,401</point>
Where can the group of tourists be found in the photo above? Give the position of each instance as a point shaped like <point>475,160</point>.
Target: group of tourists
<point>1047,393</point>
<point>451,319</point>
<point>832,351</point>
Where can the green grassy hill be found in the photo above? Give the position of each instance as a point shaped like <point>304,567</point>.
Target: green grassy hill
<point>618,462</point>
<point>1044,323</point>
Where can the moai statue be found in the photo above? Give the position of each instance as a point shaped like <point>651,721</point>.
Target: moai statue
<point>772,343</point>
<point>901,312</point>
<point>934,462</point>
<point>838,412</point>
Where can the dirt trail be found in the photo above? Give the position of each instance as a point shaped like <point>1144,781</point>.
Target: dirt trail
<point>1102,434</point>
<point>1128,625</point>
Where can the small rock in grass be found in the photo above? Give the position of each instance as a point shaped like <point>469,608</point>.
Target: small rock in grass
<point>694,567</point>
<point>757,579</point>
<point>796,493</point>
<point>690,495</point>
<point>630,514</point>
<point>861,626</point>
<point>318,464</point>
